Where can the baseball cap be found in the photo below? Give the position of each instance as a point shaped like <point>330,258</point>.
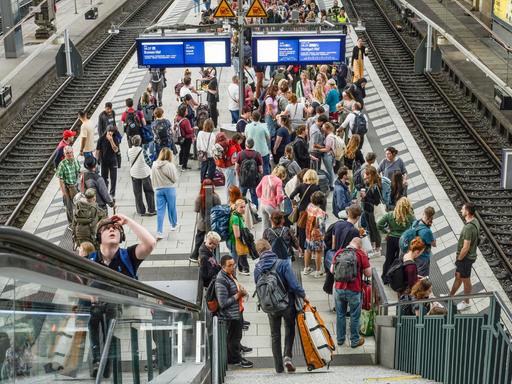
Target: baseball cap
<point>68,133</point>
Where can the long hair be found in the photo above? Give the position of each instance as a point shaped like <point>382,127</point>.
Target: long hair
<point>352,146</point>
<point>286,122</point>
<point>403,209</point>
<point>234,194</point>
<point>397,185</point>
<point>373,177</point>
<point>318,93</point>
<point>165,154</point>
<point>421,288</point>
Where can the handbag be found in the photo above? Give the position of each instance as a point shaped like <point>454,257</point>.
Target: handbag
<point>241,248</point>
<point>219,180</point>
<point>294,215</point>
<point>303,219</point>
<point>367,244</point>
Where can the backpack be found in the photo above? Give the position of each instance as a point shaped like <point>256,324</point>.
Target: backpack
<point>125,260</point>
<point>357,178</point>
<point>406,309</point>
<point>360,127</point>
<point>211,297</point>
<point>147,110</point>
<point>162,131</point>
<point>278,76</point>
<point>345,269</point>
<point>177,90</point>
<point>132,124</point>
<point>220,150</point>
<point>407,237</point>
<point>385,196</point>
<point>219,219</point>
<point>272,295</point>
<point>339,148</point>
<point>279,246</point>
<point>395,276</point>
<point>249,175</point>
<point>156,75</point>
<point>177,135</point>
<point>85,218</point>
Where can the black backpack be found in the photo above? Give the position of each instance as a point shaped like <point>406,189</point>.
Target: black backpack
<point>360,126</point>
<point>249,175</point>
<point>279,246</point>
<point>162,131</point>
<point>345,269</point>
<point>132,125</point>
<point>358,178</point>
<point>272,295</point>
<point>395,276</point>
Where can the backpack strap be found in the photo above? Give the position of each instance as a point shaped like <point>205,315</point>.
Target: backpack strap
<point>127,262</point>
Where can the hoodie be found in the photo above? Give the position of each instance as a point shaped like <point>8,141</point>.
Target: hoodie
<point>163,174</point>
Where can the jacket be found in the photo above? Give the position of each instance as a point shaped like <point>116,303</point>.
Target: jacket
<point>226,289</point>
<point>163,174</point>
<point>104,121</point>
<point>94,180</point>
<point>301,152</point>
<point>208,266</point>
<point>371,199</point>
<point>341,197</point>
<point>285,272</point>
<point>270,191</point>
<point>186,129</point>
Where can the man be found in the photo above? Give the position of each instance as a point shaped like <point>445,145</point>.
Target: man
<point>348,294</point>
<point>67,139</point>
<point>345,230</point>
<point>230,294</point>
<point>94,181</point>
<point>106,118</point>
<point>140,173</point>
<point>249,182</point>
<point>357,122</point>
<point>133,121</point>
<point>260,135</point>
<point>157,83</point>
<point>317,138</point>
<point>233,99</point>
<point>68,172</point>
<point>208,265</point>
<point>107,149</point>
<point>110,234</point>
<point>86,216</point>
<point>466,253</point>
<point>86,135</point>
<point>341,198</point>
<point>294,289</point>
<point>212,96</point>
<point>318,110</point>
<point>241,124</point>
<point>422,227</point>
<point>300,148</point>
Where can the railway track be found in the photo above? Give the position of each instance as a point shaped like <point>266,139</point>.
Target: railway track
<point>26,159</point>
<point>462,147</point>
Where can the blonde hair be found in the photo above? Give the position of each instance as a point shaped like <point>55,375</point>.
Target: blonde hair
<point>165,154</point>
<point>310,177</point>
<point>318,93</point>
<point>403,209</point>
<point>280,172</point>
<point>239,202</point>
<point>87,247</point>
<point>352,146</point>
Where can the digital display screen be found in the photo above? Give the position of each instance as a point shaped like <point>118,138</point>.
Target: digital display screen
<point>298,49</point>
<point>188,52</point>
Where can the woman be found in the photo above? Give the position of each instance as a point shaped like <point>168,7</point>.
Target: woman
<point>164,176</point>
<point>187,132</point>
<point>391,164</point>
<point>358,54</point>
<point>328,157</point>
<point>271,109</point>
<point>279,229</point>
<point>304,87</point>
<point>416,248</point>
<point>393,224</point>
<point>289,163</point>
<point>358,90</point>
<point>283,95</point>
<point>200,209</point>
<point>205,144</point>
<point>235,244</point>
<point>270,193</point>
<point>315,232</point>
<point>283,135</point>
<point>398,190</point>
<point>140,173</point>
<point>251,213</point>
<point>353,154</point>
<point>344,107</point>
<point>295,111</point>
<point>208,265</point>
<point>319,94</point>
<point>332,98</point>
<point>370,197</point>
<point>234,148</point>
<point>321,78</point>
<point>421,290</point>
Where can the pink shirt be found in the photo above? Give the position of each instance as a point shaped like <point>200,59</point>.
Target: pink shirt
<point>270,191</point>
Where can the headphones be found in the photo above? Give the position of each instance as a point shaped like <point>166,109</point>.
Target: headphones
<point>120,227</point>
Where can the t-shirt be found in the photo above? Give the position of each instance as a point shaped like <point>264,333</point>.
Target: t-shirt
<point>185,91</point>
<point>427,236</point>
<point>139,114</point>
<point>388,168</point>
<point>332,98</point>
<point>469,232</point>
<point>233,97</point>
<point>315,137</point>
<point>272,104</point>
<point>296,113</point>
<point>344,232</point>
<point>87,132</point>
<point>259,133</point>
<point>362,264</point>
<point>240,125</point>
<point>212,86</point>
<point>117,265</point>
<point>283,132</point>
<point>107,154</point>
<point>235,219</point>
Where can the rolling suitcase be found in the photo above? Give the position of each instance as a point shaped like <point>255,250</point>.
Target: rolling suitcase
<point>317,343</point>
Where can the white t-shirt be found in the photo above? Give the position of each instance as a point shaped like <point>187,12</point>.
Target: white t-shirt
<point>185,91</point>
<point>233,97</point>
<point>87,132</point>
<point>296,112</point>
<point>205,141</point>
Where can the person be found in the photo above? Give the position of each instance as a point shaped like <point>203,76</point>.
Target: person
<point>133,121</point>
<point>358,90</point>
<point>107,150</point>
<point>261,137</point>
<point>358,54</point>
<point>106,118</point>
<point>423,230</point>
<point>111,234</point>
<point>140,173</point>
<point>289,163</point>
<point>271,109</point>
<point>212,96</point>
<point>370,198</point>
<point>467,247</point>
<point>197,8</point>
<point>233,99</point>
<point>348,295</point>
<point>86,248</point>
<point>315,231</point>
<point>205,146</point>
<point>392,164</point>
<point>158,83</point>
<point>68,172</point>
<point>270,193</point>
<point>421,290</point>
<point>244,120</point>
<point>147,105</point>
<point>304,88</point>
<point>91,179</point>
<point>279,229</point>
<point>328,152</point>
<point>208,265</point>
<point>416,248</point>
<point>283,135</point>
<point>162,131</point>
<point>319,93</point>
<point>235,244</point>
<point>344,107</point>
<point>67,140</point>
<point>86,135</point>
<point>345,230</point>
<point>393,224</point>
<point>249,154</point>
<point>231,154</point>
<point>356,123</point>
<point>332,98</point>
<point>187,132</point>
<point>230,294</point>
<point>353,157</point>
<point>295,110</point>
<point>200,209</point>
<point>398,190</point>
<point>341,198</point>
<point>187,89</point>
<point>284,270</point>
<point>317,138</point>
<point>164,177</point>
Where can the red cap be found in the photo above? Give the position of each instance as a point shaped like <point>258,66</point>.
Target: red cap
<point>68,133</point>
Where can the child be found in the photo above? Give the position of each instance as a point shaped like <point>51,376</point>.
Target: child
<point>315,231</point>
<point>85,249</point>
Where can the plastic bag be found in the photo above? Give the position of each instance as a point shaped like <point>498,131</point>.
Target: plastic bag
<point>367,321</point>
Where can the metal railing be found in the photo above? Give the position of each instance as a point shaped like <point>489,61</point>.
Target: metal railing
<point>379,298</point>
<point>219,352</point>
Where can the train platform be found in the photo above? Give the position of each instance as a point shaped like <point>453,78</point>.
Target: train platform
<point>169,264</point>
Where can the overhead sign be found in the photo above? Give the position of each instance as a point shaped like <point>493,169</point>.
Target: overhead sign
<point>298,48</point>
<point>256,10</point>
<point>184,51</point>
<point>224,10</point>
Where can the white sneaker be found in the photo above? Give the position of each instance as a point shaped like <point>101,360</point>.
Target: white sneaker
<point>463,306</point>
<point>173,227</point>
<point>307,271</point>
<point>159,236</point>
<point>319,274</point>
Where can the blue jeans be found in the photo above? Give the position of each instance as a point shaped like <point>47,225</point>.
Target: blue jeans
<point>231,179</point>
<point>208,169</point>
<point>254,197</point>
<point>235,116</point>
<point>88,154</point>
<point>197,7</point>
<point>271,125</point>
<point>328,161</point>
<point>266,164</point>
<point>353,300</point>
<point>207,4</point>
<point>165,198</point>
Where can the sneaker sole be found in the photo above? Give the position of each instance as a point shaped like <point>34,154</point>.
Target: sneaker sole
<point>290,368</point>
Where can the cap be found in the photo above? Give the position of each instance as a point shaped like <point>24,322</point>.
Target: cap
<point>68,133</point>
<point>90,162</point>
<point>90,193</point>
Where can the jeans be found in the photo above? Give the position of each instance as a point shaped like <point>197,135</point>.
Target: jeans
<point>275,333</point>
<point>266,164</point>
<point>232,251</point>
<point>328,161</point>
<point>207,4</point>
<point>88,154</point>
<point>185,152</point>
<point>234,336</point>
<point>353,300</point>
<point>101,316</point>
<point>266,212</point>
<point>165,198</point>
<point>197,7</point>
<point>254,196</point>
<point>392,253</point>
<point>208,169</point>
<point>235,116</point>
<point>109,171</point>
<point>231,179</point>
<point>271,125</point>
<point>138,186</point>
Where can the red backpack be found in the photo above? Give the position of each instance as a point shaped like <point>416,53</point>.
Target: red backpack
<point>220,151</point>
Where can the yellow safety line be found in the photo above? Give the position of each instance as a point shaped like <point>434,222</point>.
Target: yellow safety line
<point>397,378</point>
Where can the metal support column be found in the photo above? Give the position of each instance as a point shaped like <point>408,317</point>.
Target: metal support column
<point>135,355</point>
<point>241,41</point>
<point>13,40</point>
<point>67,50</point>
<point>428,61</point>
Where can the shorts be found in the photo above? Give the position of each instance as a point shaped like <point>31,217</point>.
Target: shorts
<point>464,267</point>
<point>315,245</point>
